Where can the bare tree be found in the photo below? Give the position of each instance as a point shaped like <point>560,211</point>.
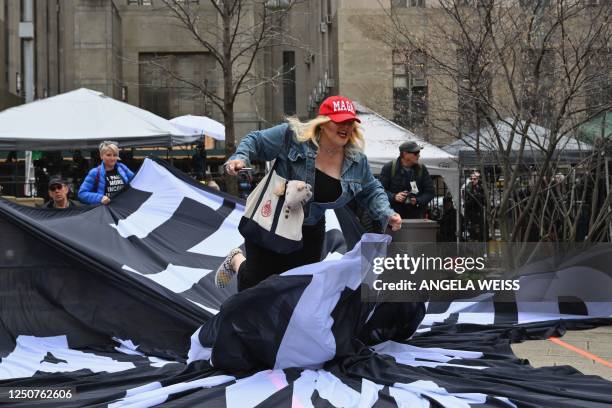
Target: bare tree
<point>234,34</point>
<point>529,73</point>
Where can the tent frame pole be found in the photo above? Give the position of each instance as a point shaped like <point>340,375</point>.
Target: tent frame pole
<point>459,201</point>
<point>607,169</point>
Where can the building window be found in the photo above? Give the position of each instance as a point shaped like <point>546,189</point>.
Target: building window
<point>534,4</point>
<point>165,95</point>
<point>139,2</point>
<point>407,3</point>
<point>476,3</point>
<point>410,89</point>
<point>473,91</point>
<point>599,82</point>
<point>538,82</point>
<point>289,99</point>
<point>277,4</point>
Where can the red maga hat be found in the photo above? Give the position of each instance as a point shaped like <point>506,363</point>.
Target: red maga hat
<point>338,109</point>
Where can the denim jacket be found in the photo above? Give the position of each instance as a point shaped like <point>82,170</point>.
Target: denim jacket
<point>297,162</point>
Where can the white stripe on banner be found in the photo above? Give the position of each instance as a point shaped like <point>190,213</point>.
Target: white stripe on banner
<point>336,392</point>
<point>208,309</point>
<point>411,395</point>
<point>155,211</point>
<point>176,278</point>
<point>166,198</point>
<point>369,393</point>
<point>479,310</point>
<point>331,221</point>
<point>249,392</point>
<point>222,241</point>
<point>426,357</point>
<point>30,352</point>
<point>310,325</point>
<point>128,347</point>
<point>303,388</point>
<point>332,389</point>
<point>196,350</point>
<point>150,395</point>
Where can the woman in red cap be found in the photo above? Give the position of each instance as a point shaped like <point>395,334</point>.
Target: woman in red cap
<point>326,153</point>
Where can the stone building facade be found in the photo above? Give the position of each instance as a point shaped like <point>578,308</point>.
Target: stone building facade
<point>113,46</point>
<point>331,47</point>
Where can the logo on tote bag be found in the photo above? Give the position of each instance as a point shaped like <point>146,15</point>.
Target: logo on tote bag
<point>266,210</point>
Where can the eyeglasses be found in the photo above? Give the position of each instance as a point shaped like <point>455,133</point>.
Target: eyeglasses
<point>55,187</point>
<point>416,153</point>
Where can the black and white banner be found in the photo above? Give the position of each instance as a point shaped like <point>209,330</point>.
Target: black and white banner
<point>118,303</point>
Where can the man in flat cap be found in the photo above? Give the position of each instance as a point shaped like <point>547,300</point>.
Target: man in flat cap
<point>58,194</point>
<point>407,182</point>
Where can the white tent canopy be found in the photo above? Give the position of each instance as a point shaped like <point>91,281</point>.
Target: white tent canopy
<point>538,139</point>
<point>81,119</point>
<point>383,138</point>
<point>200,125</point>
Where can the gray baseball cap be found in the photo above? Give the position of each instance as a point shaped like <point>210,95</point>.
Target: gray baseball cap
<point>411,147</point>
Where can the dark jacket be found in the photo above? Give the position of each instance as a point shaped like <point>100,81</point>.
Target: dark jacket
<point>199,163</point>
<point>474,198</point>
<point>71,204</point>
<point>90,193</point>
<point>394,184</point>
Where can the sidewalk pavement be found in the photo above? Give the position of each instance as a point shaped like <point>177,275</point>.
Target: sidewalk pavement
<point>597,342</point>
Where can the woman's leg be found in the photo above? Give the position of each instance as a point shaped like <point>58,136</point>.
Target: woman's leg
<point>261,263</point>
<point>258,265</point>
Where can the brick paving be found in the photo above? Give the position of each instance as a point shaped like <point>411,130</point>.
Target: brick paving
<point>546,353</point>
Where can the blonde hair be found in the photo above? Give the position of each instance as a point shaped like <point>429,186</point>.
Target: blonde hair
<point>310,130</point>
<point>108,145</point>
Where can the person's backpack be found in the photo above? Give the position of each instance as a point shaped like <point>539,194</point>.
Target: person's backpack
<point>417,173</point>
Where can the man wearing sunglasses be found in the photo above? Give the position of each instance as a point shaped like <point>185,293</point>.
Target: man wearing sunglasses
<point>58,194</point>
<point>407,182</point>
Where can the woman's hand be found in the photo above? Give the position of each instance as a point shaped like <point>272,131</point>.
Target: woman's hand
<point>105,200</point>
<point>395,222</point>
<point>233,166</point>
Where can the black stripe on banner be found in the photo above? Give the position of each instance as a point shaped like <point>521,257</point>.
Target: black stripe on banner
<point>226,208</point>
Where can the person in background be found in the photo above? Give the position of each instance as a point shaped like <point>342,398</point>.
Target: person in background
<point>107,179</point>
<point>210,182</point>
<point>11,156</point>
<point>58,194</point>
<point>199,162</point>
<point>475,207</point>
<point>325,152</point>
<point>407,182</point>
<point>79,167</point>
<point>448,222</point>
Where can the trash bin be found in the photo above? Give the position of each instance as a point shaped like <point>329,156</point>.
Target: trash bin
<point>419,230</point>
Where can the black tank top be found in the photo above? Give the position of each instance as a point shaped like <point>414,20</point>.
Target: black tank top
<point>327,189</point>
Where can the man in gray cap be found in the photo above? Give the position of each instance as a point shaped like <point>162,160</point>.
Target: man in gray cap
<point>58,194</point>
<point>407,182</point>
